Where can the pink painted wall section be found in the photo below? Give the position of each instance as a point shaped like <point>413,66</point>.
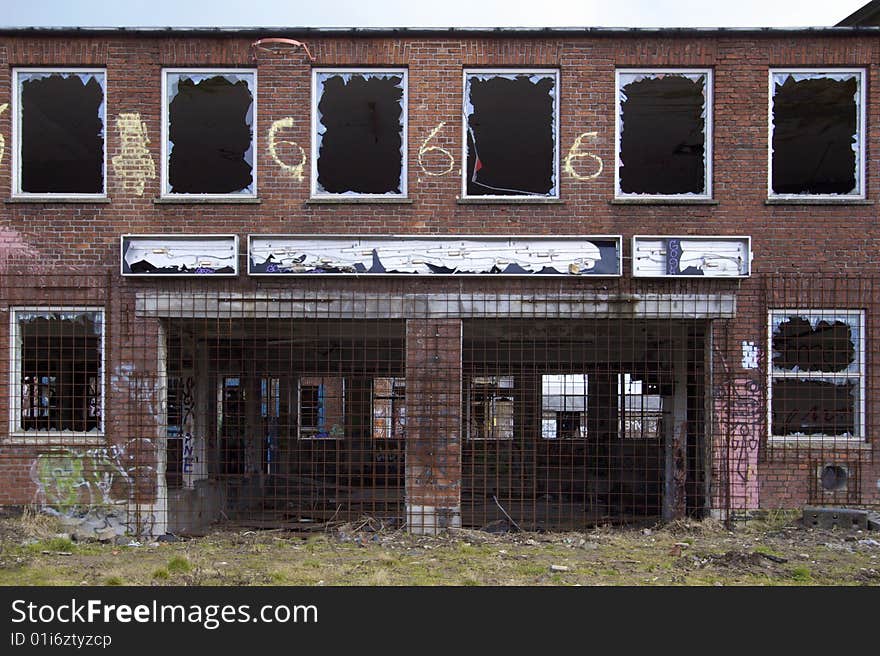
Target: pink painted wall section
<point>739,409</point>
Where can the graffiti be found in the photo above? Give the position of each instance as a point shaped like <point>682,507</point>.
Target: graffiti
<point>3,108</point>
<point>133,164</point>
<point>14,250</point>
<point>93,489</point>
<point>575,153</point>
<point>425,148</point>
<point>138,388</point>
<point>294,170</point>
<point>739,413</point>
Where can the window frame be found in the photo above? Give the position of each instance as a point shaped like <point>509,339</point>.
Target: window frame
<point>15,374</point>
<point>15,173</point>
<point>482,437</point>
<point>557,101</point>
<point>164,185</point>
<point>314,437</point>
<point>708,133</point>
<point>565,396</point>
<point>314,194</point>
<point>861,74</point>
<point>859,410</point>
<point>392,397</point>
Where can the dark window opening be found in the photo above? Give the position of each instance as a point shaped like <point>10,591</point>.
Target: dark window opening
<point>360,133</point>
<point>815,139</point>
<point>511,127</point>
<point>389,408</point>
<point>490,408</point>
<point>60,367</point>
<point>210,121</point>
<point>798,346</point>
<point>62,133</point>
<point>663,134</point>
<point>814,407</point>
<point>321,407</point>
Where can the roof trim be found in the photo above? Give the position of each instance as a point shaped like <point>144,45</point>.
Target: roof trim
<point>437,31</point>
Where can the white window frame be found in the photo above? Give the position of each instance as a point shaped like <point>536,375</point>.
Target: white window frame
<point>860,155</point>
<point>16,133</point>
<point>163,175</point>
<point>404,118</point>
<point>15,429</point>
<point>708,151</point>
<point>857,319</point>
<point>564,384</point>
<point>557,99</point>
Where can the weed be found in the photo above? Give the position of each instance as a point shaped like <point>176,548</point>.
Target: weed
<point>113,580</point>
<point>179,564</point>
<point>161,574</point>
<point>801,574</point>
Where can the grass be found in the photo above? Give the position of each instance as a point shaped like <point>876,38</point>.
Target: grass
<point>178,565</point>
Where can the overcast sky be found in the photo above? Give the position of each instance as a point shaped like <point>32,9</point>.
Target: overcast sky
<point>427,13</point>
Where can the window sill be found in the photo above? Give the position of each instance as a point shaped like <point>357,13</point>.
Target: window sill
<point>54,438</point>
<point>358,200</point>
<point>321,439</point>
<point>512,200</point>
<point>173,200</point>
<point>805,442</point>
<point>56,199</point>
<point>646,200</point>
<point>818,201</point>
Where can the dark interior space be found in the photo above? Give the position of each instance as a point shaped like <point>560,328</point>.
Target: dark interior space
<point>662,140</point>
<point>814,130</point>
<point>360,148</point>
<point>62,134</point>
<point>510,139</point>
<point>210,133</point>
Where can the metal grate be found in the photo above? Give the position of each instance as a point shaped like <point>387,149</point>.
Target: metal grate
<point>145,408</point>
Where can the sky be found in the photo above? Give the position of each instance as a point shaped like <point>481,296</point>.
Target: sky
<point>425,13</point>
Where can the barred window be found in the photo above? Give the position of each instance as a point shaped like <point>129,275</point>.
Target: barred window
<point>490,408</point>
<point>58,361</point>
<point>564,406</point>
<point>817,377</point>
<point>321,407</point>
<point>389,408</point>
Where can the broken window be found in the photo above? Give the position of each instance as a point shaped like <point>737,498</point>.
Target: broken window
<point>208,132</point>
<point>663,128</point>
<point>816,133</point>
<point>321,407</point>
<point>60,132</point>
<point>816,373</point>
<point>563,406</point>
<point>58,361</point>
<point>359,144</point>
<point>640,408</point>
<point>490,408</point>
<point>389,408</point>
<point>511,127</point>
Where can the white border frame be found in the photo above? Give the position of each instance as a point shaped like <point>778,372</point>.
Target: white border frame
<point>404,170</point>
<point>413,237</point>
<point>15,173</point>
<point>861,128</point>
<point>178,237</point>
<point>747,239</point>
<point>557,101</point>
<point>299,427</point>
<point>164,191</point>
<point>50,436</point>
<point>860,435</point>
<point>708,132</point>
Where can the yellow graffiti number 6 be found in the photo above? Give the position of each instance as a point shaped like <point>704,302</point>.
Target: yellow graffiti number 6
<point>295,170</point>
<point>425,148</point>
<point>575,152</point>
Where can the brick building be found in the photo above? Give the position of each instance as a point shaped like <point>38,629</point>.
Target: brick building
<point>534,278</point>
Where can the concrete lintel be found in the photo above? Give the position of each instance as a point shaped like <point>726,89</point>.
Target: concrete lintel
<point>347,305</point>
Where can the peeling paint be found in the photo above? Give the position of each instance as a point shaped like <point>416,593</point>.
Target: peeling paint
<point>408,255</point>
<point>296,170</point>
<point>14,250</point>
<point>691,256</point>
<point>575,153</point>
<point>179,255</point>
<point>133,164</point>
<point>425,148</point>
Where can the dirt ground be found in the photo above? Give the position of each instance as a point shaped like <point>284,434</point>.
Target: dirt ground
<point>776,550</point>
